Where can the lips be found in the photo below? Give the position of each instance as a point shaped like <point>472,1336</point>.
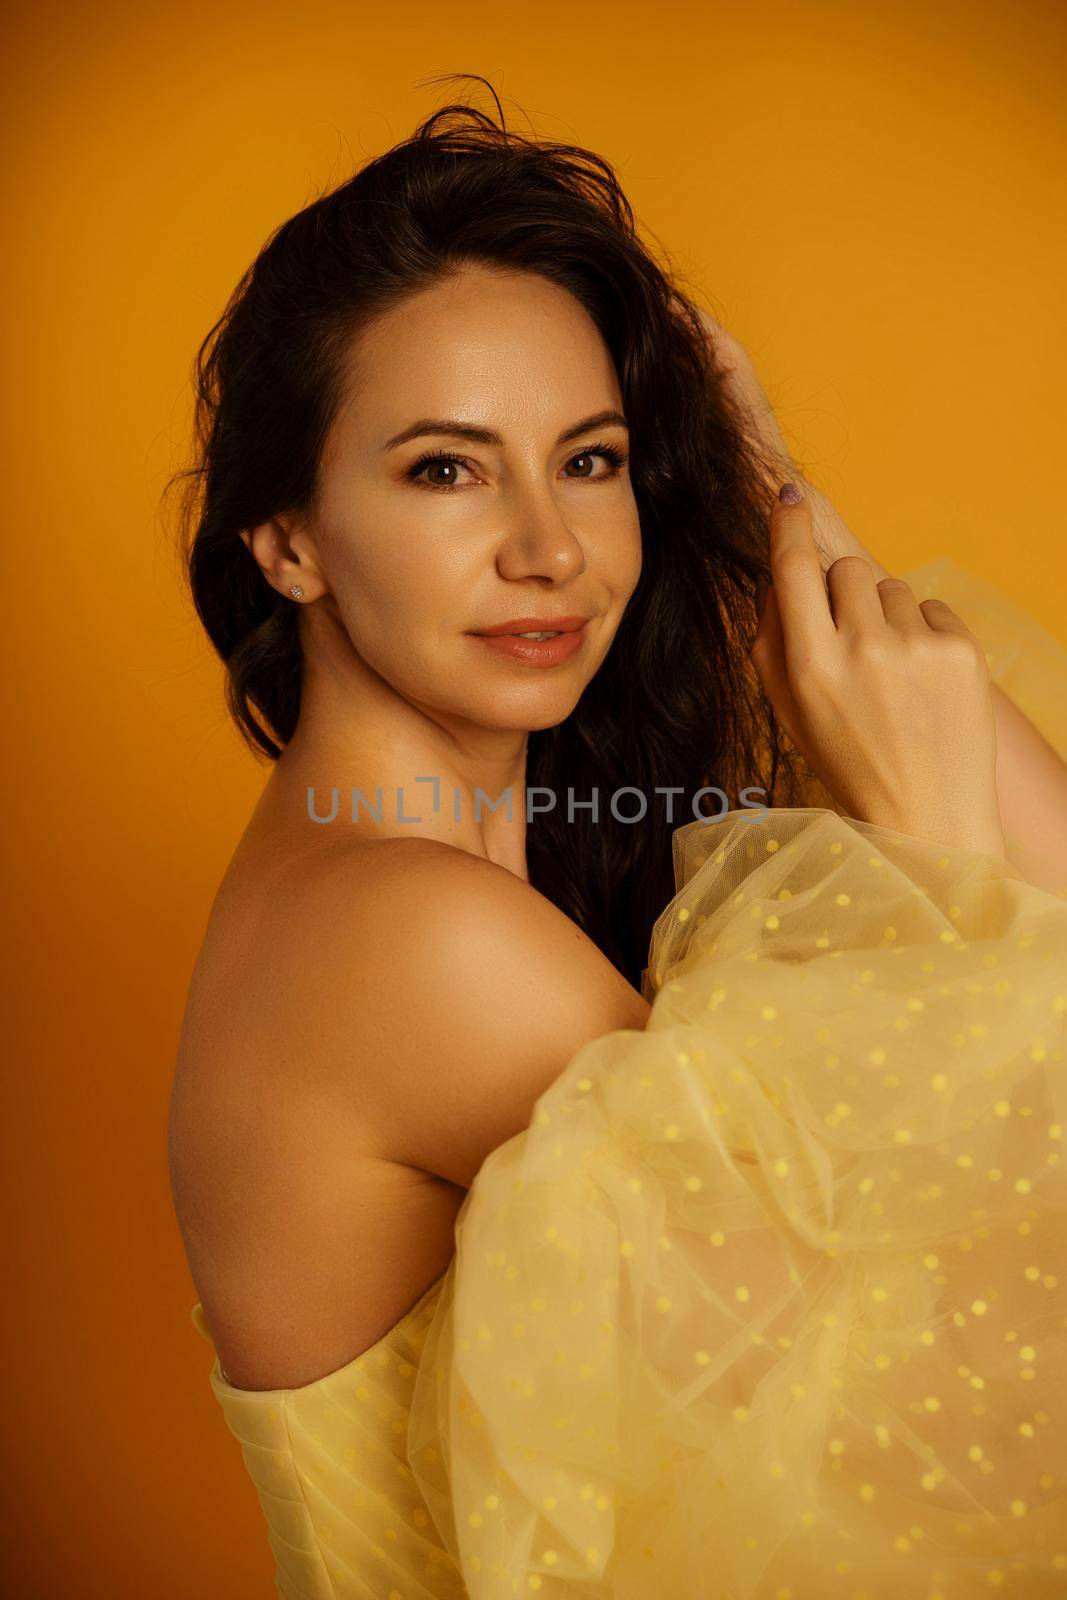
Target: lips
<point>533,625</point>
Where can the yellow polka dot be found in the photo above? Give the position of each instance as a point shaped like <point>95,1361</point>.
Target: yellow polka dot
<point>842,899</point>
<point>742,1294</point>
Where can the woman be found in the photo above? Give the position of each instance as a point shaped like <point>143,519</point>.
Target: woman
<point>538,1256</point>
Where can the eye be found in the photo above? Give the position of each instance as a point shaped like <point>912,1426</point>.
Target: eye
<point>615,457</point>
<point>611,453</point>
<point>430,458</point>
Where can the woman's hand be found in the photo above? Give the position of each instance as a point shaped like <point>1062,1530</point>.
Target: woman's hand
<point>888,700</point>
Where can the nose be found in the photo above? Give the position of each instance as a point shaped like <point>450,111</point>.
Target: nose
<point>539,543</point>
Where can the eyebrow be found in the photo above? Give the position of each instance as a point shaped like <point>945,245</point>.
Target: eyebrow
<point>464,430</point>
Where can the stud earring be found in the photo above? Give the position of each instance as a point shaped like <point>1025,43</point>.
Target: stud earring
<point>296,591</point>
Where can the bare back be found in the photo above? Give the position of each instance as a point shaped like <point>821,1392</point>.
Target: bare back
<point>346,1062</point>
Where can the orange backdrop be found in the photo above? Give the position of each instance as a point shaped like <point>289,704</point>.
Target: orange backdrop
<point>869,197</point>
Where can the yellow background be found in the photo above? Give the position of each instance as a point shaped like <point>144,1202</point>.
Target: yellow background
<point>870,197</point>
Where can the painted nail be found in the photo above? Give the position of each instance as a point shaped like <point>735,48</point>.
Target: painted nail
<point>790,495</point>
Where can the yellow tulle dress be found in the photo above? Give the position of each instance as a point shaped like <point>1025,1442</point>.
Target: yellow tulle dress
<point>769,1301</point>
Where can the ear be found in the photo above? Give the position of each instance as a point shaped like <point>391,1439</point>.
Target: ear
<point>285,556</point>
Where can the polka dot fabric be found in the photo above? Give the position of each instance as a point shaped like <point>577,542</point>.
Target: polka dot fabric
<point>769,1301</point>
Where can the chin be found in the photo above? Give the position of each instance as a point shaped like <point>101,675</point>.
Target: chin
<point>529,708</point>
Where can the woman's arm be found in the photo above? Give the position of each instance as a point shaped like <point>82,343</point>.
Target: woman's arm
<point>1031,776</point>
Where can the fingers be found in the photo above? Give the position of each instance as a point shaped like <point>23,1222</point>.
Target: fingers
<point>854,596</point>
<point>899,605</point>
<point>800,593</point>
<point>941,617</point>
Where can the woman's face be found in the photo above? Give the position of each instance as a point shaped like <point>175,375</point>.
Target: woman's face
<point>535,522</point>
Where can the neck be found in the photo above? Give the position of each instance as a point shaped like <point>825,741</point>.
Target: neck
<point>366,763</point>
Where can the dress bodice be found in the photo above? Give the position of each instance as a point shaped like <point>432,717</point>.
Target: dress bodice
<point>329,1460</point>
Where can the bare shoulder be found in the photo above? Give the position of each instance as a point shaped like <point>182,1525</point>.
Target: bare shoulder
<point>364,1027</point>
<point>456,993</point>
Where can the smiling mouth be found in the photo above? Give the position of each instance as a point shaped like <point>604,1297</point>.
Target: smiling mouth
<point>521,627</point>
<point>547,647</point>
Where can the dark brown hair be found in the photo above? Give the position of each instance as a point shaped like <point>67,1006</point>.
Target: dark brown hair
<point>676,702</point>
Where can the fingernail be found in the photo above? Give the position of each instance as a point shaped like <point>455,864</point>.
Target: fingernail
<point>790,495</point>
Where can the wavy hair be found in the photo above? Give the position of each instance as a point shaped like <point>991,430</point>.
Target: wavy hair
<point>676,703</point>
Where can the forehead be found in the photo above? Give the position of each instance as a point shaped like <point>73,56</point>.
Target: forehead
<point>507,350</point>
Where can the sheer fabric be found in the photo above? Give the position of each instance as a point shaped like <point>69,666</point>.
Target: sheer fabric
<point>769,1301</point>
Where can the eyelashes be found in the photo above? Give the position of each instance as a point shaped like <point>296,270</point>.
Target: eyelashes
<point>611,453</point>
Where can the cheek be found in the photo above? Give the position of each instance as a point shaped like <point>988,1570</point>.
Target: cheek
<point>397,593</point>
